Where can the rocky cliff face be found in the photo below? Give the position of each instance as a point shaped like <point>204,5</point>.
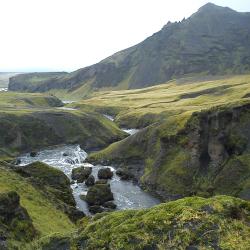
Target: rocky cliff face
<point>214,40</point>
<point>209,156</point>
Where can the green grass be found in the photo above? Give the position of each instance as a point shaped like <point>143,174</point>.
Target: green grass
<point>173,102</point>
<point>166,148</point>
<point>13,101</point>
<point>218,222</point>
<point>40,209</point>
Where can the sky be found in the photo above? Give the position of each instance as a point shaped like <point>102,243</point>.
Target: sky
<point>65,35</point>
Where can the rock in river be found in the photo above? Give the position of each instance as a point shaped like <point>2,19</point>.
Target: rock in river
<point>99,194</point>
<point>105,173</point>
<point>109,204</point>
<point>124,174</point>
<point>81,174</point>
<point>96,209</point>
<point>102,181</point>
<point>33,154</point>
<point>90,181</point>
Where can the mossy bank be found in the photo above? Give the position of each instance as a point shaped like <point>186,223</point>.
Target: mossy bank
<point>220,222</point>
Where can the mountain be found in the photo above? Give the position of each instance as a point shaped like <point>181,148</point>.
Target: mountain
<point>213,41</point>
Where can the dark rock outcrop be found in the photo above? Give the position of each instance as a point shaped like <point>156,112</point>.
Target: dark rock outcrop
<point>96,209</point>
<point>55,184</point>
<point>15,222</point>
<point>213,145</point>
<point>109,204</point>
<point>124,174</point>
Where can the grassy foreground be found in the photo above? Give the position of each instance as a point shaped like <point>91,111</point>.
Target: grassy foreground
<point>45,215</point>
<point>220,222</point>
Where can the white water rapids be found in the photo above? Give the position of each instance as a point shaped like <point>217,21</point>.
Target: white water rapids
<point>126,194</point>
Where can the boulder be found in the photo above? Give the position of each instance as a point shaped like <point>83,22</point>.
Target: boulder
<point>90,181</point>
<point>124,174</point>
<point>73,213</point>
<point>96,209</point>
<point>105,173</point>
<point>17,161</point>
<point>82,197</point>
<point>69,161</point>
<point>109,204</point>
<point>33,154</point>
<point>80,174</point>
<point>99,194</point>
<point>102,181</point>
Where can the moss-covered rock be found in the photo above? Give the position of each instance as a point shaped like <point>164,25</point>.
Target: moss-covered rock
<point>49,176</point>
<point>99,194</point>
<point>105,173</point>
<point>81,174</point>
<point>90,181</point>
<point>15,222</point>
<point>55,184</point>
<point>46,211</point>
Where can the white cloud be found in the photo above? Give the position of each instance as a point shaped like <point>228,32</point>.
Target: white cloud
<point>69,34</point>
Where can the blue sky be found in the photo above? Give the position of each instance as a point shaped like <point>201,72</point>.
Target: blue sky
<point>64,35</point>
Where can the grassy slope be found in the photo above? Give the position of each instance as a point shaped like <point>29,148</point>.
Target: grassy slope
<point>163,149</point>
<point>218,222</point>
<point>25,118</point>
<point>46,217</point>
<point>16,101</point>
<point>175,100</point>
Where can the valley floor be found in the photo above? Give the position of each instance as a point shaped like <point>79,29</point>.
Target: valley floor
<point>192,141</point>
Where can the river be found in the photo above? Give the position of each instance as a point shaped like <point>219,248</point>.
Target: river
<point>127,195</point>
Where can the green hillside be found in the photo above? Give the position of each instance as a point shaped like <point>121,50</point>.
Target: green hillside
<point>193,138</point>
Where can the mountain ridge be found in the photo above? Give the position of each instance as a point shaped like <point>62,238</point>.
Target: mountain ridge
<point>214,40</point>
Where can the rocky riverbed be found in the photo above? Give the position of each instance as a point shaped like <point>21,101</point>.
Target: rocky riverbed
<point>127,195</point>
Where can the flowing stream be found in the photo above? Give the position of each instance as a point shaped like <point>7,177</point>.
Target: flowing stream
<point>130,131</point>
<point>127,195</point>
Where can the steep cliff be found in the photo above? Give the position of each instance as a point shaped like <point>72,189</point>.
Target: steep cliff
<point>210,155</point>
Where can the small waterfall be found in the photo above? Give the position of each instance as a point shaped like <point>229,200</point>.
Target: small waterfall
<point>111,118</point>
<point>80,155</point>
<point>77,156</point>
